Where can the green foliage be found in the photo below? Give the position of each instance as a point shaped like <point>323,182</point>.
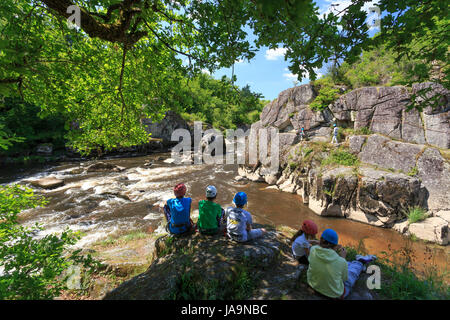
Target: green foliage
<point>327,93</point>
<point>22,119</point>
<point>217,102</point>
<point>413,172</point>
<point>416,214</point>
<point>6,140</point>
<point>129,58</point>
<point>363,131</point>
<point>400,279</point>
<point>377,66</point>
<point>293,165</point>
<point>418,33</point>
<point>341,157</point>
<point>191,285</point>
<point>32,267</point>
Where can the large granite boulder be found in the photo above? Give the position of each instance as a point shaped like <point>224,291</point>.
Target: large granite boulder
<point>384,110</point>
<point>387,195</point>
<point>48,183</point>
<point>290,110</point>
<point>412,127</point>
<point>208,260</point>
<point>163,129</point>
<point>436,117</point>
<point>356,143</point>
<point>434,229</point>
<point>434,173</point>
<point>331,193</point>
<point>377,108</point>
<point>385,153</point>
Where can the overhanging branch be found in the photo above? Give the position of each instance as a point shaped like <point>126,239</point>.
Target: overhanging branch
<point>112,32</point>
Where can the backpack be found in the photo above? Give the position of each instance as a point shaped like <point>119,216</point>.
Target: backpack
<point>179,215</point>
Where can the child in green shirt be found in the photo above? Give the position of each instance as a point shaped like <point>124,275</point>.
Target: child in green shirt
<point>210,213</point>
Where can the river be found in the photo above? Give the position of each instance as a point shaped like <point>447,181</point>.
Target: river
<point>104,204</point>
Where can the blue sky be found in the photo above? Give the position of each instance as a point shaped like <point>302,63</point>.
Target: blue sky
<point>267,72</point>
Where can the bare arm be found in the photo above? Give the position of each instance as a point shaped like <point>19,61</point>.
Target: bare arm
<point>341,251</point>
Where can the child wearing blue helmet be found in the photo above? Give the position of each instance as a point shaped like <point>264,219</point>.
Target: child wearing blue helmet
<point>239,221</point>
<point>328,272</point>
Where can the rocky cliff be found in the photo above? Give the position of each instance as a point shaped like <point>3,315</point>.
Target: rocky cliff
<point>401,162</point>
<point>164,128</point>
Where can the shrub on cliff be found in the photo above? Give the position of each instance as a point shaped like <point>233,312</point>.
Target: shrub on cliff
<point>416,214</point>
<point>326,93</point>
<point>341,157</point>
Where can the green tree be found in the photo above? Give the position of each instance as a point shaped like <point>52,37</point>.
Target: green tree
<point>32,268</point>
<point>126,58</point>
<point>21,119</point>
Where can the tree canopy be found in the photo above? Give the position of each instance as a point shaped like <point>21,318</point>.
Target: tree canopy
<point>128,56</point>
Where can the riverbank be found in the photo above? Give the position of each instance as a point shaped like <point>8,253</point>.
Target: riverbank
<point>153,265</point>
<point>118,213</point>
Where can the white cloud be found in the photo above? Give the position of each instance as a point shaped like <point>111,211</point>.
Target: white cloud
<point>289,76</point>
<point>274,54</point>
<point>206,71</point>
<point>239,61</point>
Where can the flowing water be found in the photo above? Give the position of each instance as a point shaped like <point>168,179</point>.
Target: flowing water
<point>104,204</point>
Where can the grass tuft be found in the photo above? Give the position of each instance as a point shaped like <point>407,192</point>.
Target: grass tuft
<point>416,214</point>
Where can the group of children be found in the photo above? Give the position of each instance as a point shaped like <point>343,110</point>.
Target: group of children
<point>328,272</point>
<point>235,221</point>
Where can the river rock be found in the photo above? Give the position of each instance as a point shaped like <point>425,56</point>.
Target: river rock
<point>169,161</point>
<point>251,174</point>
<point>434,229</point>
<point>401,227</point>
<point>76,171</point>
<point>271,179</point>
<point>45,149</point>
<point>48,183</point>
<point>388,195</point>
<point>104,167</point>
<point>444,214</point>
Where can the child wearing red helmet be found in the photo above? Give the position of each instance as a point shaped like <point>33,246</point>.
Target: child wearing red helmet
<point>303,240</point>
<point>177,211</point>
